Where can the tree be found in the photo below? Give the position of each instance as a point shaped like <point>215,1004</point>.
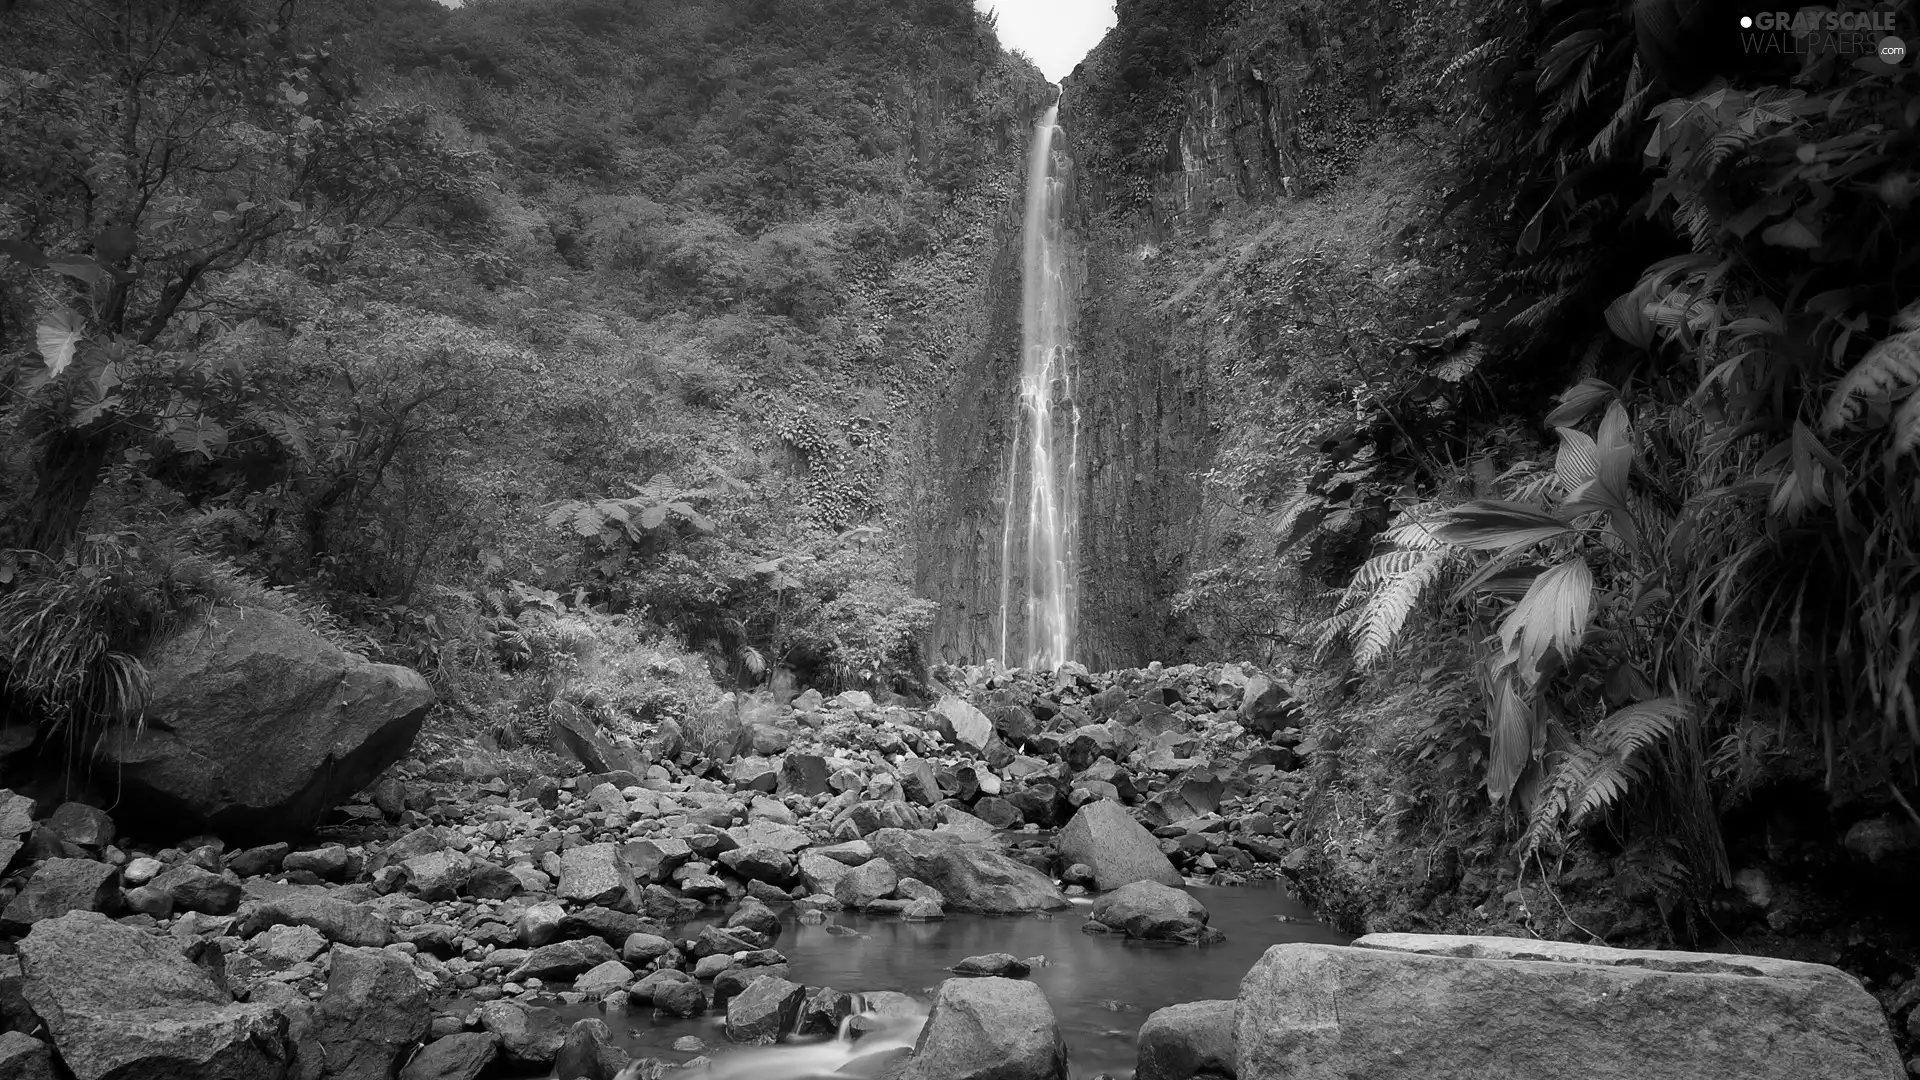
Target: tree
<point>153,147</point>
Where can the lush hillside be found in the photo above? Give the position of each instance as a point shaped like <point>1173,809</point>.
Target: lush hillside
<point>449,327</point>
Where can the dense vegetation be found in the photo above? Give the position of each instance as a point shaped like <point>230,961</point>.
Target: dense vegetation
<point>497,340</point>
<point>1576,407</point>
<point>1566,380</point>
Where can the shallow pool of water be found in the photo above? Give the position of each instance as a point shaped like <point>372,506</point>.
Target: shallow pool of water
<point>1102,988</point>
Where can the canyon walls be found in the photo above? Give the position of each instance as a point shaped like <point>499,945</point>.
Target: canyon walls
<point>1189,131</point>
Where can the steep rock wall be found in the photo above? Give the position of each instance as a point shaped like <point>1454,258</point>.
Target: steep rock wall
<point>1174,176</point>
<point>1185,163</point>
<point>954,318</point>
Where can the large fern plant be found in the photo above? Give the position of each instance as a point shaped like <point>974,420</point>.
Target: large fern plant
<point>1588,716</point>
<point>1388,587</point>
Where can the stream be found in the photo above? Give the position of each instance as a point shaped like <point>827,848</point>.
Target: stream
<point>1102,988</point>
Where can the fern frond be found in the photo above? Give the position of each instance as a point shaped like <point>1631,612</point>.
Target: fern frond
<point>1608,140</point>
<point>1538,312</point>
<point>1893,364</point>
<point>1577,92</point>
<point>1694,215</point>
<point>1389,564</point>
<point>1413,535</point>
<point>1386,613</point>
<point>1476,55</point>
<point>1605,786</point>
<point>1639,725</point>
<point>1566,775</point>
<point>1908,318</point>
<point>1333,628</point>
<point>588,520</point>
<point>1300,501</point>
<point>1726,145</point>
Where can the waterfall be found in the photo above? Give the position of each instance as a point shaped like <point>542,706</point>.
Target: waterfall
<point>1044,456</point>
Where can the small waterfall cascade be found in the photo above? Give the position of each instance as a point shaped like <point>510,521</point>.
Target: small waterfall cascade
<point>1038,565</point>
<point>820,1060</point>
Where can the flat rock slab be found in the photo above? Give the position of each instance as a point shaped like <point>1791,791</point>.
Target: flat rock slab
<point>1461,1008</point>
<point>337,920</point>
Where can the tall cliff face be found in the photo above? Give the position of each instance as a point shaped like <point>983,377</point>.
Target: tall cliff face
<point>954,319</point>
<point>1191,134</point>
<point>1187,153</point>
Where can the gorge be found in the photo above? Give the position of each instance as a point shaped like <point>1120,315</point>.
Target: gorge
<point>638,538</point>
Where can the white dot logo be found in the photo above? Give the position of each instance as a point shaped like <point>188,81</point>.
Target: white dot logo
<point>1746,22</point>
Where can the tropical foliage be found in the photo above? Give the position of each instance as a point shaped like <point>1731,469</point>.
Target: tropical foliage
<point>1708,587</point>
<point>481,331</point>
<point>1576,346</point>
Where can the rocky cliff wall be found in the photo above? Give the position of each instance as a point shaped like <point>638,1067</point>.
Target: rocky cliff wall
<point>1169,176</point>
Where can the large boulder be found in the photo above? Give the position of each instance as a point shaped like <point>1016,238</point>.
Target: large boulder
<point>1119,849</point>
<point>255,727</point>
<point>464,1055</point>
<point>766,1010</point>
<point>1440,1007</point>
<point>1189,1041</point>
<point>972,876</point>
<point>374,1010</point>
<point>122,1004</point>
<point>1267,707</point>
<point>804,774</point>
<point>596,874</point>
<point>579,738</point>
<point>589,1052</point>
<point>57,887</point>
<point>194,888</point>
<point>862,885</point>
<point>989,1029</point>
<point>1195,794</point>
<point>961,723</point>
<point>564,959</point>
<point>1151,911</point>
<point>525,1036</point>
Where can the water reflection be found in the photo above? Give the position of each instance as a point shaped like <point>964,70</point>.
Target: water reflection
<point>1102,988</point>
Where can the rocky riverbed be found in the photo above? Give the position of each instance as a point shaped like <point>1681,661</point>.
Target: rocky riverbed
<point>448,926</point>
<point>459,909</point>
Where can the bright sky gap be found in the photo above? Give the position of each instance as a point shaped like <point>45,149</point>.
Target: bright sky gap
<point>1055,34</point>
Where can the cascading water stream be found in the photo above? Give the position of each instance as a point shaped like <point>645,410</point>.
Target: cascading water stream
<point>821,1060</point>
<point>1046,432</point>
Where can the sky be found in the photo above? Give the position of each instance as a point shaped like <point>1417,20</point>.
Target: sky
<point>1056,34</point>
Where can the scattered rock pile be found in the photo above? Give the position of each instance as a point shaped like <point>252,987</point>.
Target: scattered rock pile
<point>347,958</point>
<point>421,942</point>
